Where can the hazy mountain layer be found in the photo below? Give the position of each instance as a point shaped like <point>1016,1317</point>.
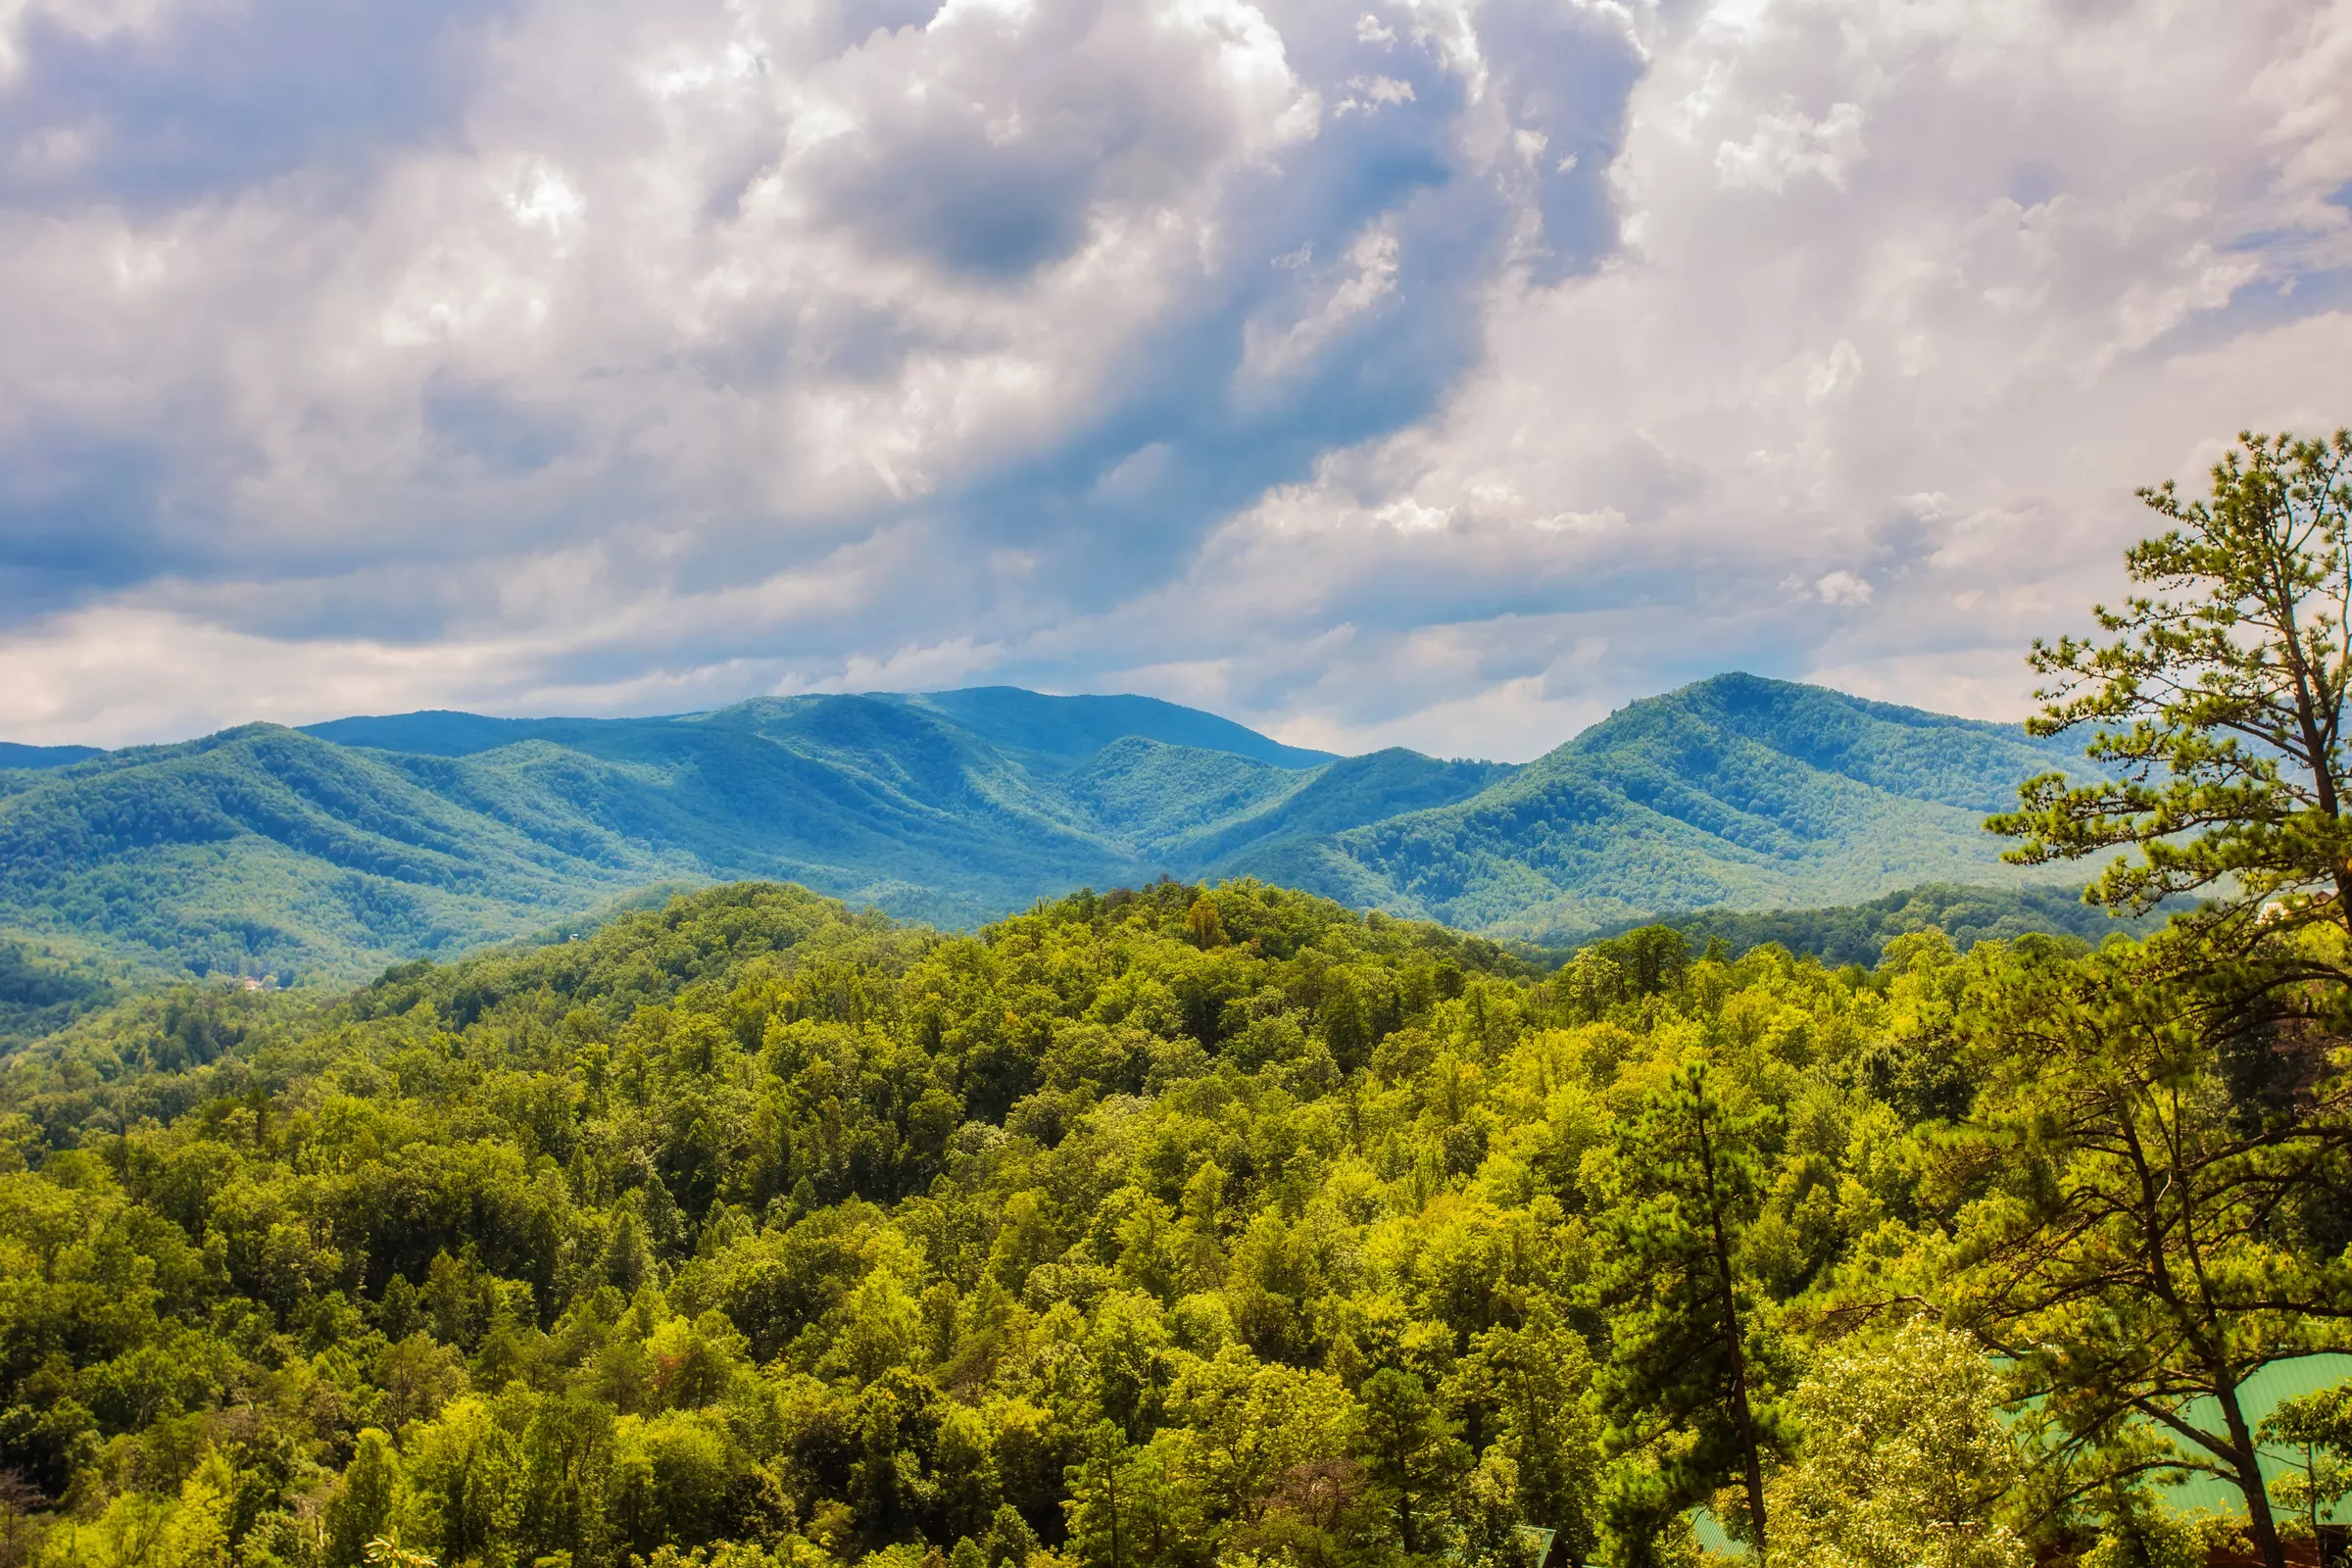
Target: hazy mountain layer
<point>331,851</point>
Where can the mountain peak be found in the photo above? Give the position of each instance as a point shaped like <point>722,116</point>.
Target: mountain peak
<point>1080,726</point>
<point>1737,791</point>
<point>1738,691</point>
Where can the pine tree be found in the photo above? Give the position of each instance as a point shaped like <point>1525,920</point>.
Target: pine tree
<point>2218,708</point>
<point>1690,1354</point>
<point>1411,1454</point>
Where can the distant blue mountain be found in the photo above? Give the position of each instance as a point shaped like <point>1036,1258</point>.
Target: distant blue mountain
<point>14,755</point>
<point>338,848</point>
<point>439,732</point>
<point>1004,715</point>
<point>1080,726</point>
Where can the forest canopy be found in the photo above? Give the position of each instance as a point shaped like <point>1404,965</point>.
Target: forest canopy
<point>1167,1227</point>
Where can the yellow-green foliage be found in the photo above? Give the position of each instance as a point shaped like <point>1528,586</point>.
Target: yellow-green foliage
<point>1152,1229</point>
<point>1906,1462</point>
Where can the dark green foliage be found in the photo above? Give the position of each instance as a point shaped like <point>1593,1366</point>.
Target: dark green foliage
<point>1649,959</point>
<point>1411,1454</point>
<point>1347,794</point>
<point>1858,933</point>
<point>15,754</point>
<point>1690,1381</point>
<point>41,990</point>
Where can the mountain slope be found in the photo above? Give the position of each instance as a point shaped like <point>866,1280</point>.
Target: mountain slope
<point>1004,716</point>
<point>1157,797</point>
<point>1858,933</point>
<point>1737,791</point>
<point>1348,793</point>
<point>333,850</point>
<point>268,848</point>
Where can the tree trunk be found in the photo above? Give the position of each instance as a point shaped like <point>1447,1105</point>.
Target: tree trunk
<point>1741,1416</point>
<point>2259,1523</point>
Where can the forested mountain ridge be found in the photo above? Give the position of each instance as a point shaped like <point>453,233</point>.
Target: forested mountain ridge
<point>1861,933</point>
<point>1163,1229</point>
<point>14,753</point>
<point>330,852</point>
<point>1005,716</point>
<point>1737,792</point>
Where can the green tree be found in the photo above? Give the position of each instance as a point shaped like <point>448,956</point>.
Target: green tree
<point>566,1465</point>
<point>629,1261</point>
<point>1493,1533</point>
<point>896,1417</point>
<point>1686,1383</point>
<point>2136,1254</point>
<point>1651,959</point>
<point>1129,1351</point>
<point>1101,1525</point>
<point>2319,1426</point>
<point>2218,703</point>
<point>1164,1525</point>
<point>464,1471</point>
<point>1906,1462</point>
<point>1533,1382</point>
<point>1411,1456</point>
<point>360,1504</point>
<point>1250,1428</point>
<point>672,1477</point>
<point>1009,1538</point>
<point>386,1551</point>
<point>1587,986</point>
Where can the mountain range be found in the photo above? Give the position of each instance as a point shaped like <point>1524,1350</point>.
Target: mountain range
<point>330,851</point>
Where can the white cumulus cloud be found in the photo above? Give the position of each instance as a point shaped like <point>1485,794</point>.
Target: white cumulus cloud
<point>1442,374</point>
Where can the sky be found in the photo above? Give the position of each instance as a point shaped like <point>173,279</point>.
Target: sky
<point>1442,374</point>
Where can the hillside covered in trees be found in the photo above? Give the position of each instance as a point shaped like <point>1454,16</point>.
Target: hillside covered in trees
<point>1149,1230</point>
<point>1859,933</point>
<point>320,855</point>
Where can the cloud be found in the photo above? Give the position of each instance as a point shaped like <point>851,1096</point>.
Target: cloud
<point>1844,588</point>
<point>1445,374</point>
<point>1787,145</point>
<point>1999,274</point>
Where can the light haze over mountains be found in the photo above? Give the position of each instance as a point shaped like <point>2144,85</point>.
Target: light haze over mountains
<point>327,852</point>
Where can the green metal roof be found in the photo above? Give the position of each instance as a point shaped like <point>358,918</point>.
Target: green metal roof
<point>2258,1396</point>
